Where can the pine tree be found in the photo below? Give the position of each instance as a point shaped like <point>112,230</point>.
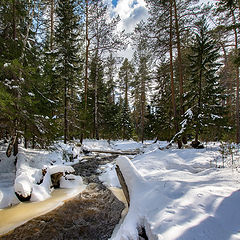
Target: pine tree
<point>206,93</point>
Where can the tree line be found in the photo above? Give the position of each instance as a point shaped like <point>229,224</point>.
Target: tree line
<point>61,76</point>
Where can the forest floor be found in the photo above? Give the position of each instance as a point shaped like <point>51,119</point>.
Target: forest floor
<point>174,194</point>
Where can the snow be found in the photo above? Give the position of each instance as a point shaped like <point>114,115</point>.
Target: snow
<point>23,185</point>
<point>126,145</point>
<point>31,94</point>
<point>177,194</point>
<point>182,194</point>
<point>96,145</point>
<point>27,178</point>
<point>109,176</point>
<point>6,65</point>
<point>213,116</point>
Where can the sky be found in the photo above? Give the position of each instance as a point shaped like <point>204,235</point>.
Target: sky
<point>131,12</point>
<point>114,2</point>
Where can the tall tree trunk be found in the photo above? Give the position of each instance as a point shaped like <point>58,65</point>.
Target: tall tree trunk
<point>199,104</point>
<point>126,89</point>
<point>237,80</point>
<point>65,111</point>
<point>11,144</point>
<point>13,140</point>
<point>33,141</point>
<point>96,82</point>
<point>25,138</point>
<point>180,68</point>
<point>14,22</point>
<point>86,70</point>
<point>86,58</point>
<point>96,102</point>
<point>15,148</point>
<point>52,24</point>
<point>143,101</point>
<point>172,76</point>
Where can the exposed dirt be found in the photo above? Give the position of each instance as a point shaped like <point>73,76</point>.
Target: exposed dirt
<point>92,215</point>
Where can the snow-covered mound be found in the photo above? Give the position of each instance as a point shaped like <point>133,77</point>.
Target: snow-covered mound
<point>179,194</point>
<point>32,174</point>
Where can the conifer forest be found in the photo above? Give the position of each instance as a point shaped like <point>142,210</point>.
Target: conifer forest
<point>63,75</point>
<point>119,119</point>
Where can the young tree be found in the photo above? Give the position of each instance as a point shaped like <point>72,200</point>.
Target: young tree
<point>205,95</point>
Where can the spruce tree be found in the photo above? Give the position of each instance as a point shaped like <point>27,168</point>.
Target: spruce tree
<point>161,102</point>
<point>19,64</point>
<point>67,57</point>
<point>125,79</point>
<point>206,94</point>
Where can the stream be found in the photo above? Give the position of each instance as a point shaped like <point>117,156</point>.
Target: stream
<point>91,215</point>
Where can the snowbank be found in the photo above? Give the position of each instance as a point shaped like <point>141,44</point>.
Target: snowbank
<point>32,174</point>
<point>176,194</point>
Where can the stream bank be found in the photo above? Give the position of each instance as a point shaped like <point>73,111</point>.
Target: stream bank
<point>93,214</point>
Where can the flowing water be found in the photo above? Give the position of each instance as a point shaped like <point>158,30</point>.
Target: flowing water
<point>91,215</point>
<point>15,216</point>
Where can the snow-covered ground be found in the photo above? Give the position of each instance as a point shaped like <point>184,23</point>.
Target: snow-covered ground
<point>179,194</point>
<point>175,194</point>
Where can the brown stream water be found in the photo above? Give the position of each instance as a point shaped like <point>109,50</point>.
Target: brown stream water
<point>15,216</point>
<point>91,214</point>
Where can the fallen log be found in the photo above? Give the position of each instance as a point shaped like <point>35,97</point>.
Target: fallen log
<point>135,152</point>
<point>123,184</point>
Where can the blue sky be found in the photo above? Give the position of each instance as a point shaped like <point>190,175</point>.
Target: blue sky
<point>114,2</point>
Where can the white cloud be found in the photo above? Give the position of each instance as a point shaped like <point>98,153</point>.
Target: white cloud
<point>131,12</point>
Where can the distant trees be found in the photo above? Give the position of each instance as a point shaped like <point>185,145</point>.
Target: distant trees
<point>227,13</point>
<point>102,40</point>
<point>126,72</point>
